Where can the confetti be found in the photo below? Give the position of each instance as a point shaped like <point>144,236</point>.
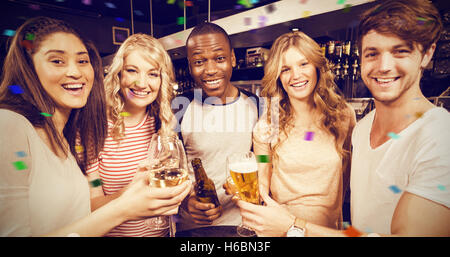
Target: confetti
<point>395,189</point>
<point>120,19</point>
<point>46,114</point>
<point>9,32</point>
<point>27,44</point>
<point>34,7</point>
<point>263,158</point>
<point>110,5</point>
<point>347,8</point>
<point>180,20</point>
<point>418,114</point>
<point>29,36</point>
<point>79,149</point>
<point>309,135</point>
<point>352,232</point>
<point>306,14</point>
<point>245,3</point>
<point>393,135</point>
<point>189,3</point>
<point>303,1</point>
<point>86,2</point>
<point>138,12</point>
<point>21,154</point>
<point>441,187</point>
<point>15,89</point>
<point>247,21</point>
<point>340,1</point>
<point>271,8</point>
<point>96,183</point>
<point>125,114</point>
<point>20,165</point>
<point>171,1</point>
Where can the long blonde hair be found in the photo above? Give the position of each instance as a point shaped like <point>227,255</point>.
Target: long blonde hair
<point>152,49</point>
<point>325,99</point>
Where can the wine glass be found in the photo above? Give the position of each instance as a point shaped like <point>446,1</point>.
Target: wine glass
<point>243,170</point>
<point>168,167</point>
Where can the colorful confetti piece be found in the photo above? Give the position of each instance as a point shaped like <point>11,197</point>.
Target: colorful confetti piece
<point>21,154</point>
<point>110,5</point>
<point>15,89</point>
<point>180,20</point>
<point>27,44</point>
<point>263,158</point>
<point>29,36</point>
<point>352,232</point>
<point>9,32</point>
<point>309,135</point>
<point>441,187</point>
<point>347,8</point>
<point>395,189</point>
<point>96,183</point>
<point>171,1</point>
<point>418,115</point>
<point>86,2</point>
<point>125,114</point>
<point>271,8</point>
<point>393,135</point>
<point>20,165</point>
<point>46,114</point>
<point>79,149</point>
<point>245,3</point>
<point>303,1</point>
<point>306,14</point>
<point>120,19</point>
<point>189,3</point>
<point>340,1</point>
<point>247,21</point>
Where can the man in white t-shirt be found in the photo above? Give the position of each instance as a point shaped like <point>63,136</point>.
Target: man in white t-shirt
<point>400,174</point>
<point>215,121</point>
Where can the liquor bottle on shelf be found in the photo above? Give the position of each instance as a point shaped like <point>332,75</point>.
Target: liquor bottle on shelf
<point>205,190</point>
<point>356,72</point>
<point>330,52</point>
<point>345,70</point>
<point>339,79</point>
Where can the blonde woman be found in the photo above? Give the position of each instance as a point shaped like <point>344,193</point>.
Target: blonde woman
<point>307,140</point>
<point>139,91</point>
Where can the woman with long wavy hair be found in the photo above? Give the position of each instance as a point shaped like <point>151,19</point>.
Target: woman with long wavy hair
<point>306,132</point>
<point>52,107</point>
<point>139,90</point>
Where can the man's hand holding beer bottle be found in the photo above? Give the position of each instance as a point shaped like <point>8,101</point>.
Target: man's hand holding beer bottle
<point>203,206</point>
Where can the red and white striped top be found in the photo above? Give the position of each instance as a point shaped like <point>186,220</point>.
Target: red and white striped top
<point>117,165</point>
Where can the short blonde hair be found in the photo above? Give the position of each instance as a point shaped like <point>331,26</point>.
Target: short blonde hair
<point>152,49</point>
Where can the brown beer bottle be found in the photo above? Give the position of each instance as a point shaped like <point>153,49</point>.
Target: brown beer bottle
<point>205,190</point>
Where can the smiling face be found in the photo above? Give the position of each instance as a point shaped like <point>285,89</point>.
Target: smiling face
<point>298,76</point>
<point>140,81</point>
<point>211,62</point>
<point>63,66</point>
<point>390,67</point>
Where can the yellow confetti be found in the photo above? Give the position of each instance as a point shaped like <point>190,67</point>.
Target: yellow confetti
<point>79,148</point>
<point>124,114</point>
<point>419,114</point>
<point>306,14</point>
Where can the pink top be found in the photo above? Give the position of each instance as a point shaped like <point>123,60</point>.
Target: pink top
<point>307,176</point>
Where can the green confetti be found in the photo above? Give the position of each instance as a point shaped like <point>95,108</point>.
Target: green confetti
<point>29,36</point>
<point>441,187</point>
<point>263,158</point>
<point>20,165</point>
<point>46,114</point>
<point>96,183</point>
<point>180,20</point>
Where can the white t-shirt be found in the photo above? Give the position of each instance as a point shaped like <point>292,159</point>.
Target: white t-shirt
<point>418,162</point>
<point>39,192</point>
<point>211,133</point>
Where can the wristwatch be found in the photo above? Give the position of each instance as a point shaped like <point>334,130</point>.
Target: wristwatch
<point>297,229</point>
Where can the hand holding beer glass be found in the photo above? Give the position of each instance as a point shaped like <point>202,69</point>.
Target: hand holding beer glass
<point>243,169</point>
<point>167,164</point>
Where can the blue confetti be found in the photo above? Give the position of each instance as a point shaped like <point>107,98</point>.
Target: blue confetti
<point>393,135</point>
<point>15,89</point>
<point>395,189</point>
<point>441,187</point>
<point>9,32</point>
<point>110,5</point>
<point>21,154</point>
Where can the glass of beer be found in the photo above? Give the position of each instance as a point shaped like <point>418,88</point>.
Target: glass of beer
<point>168,166</point>
<point>243,169</point>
